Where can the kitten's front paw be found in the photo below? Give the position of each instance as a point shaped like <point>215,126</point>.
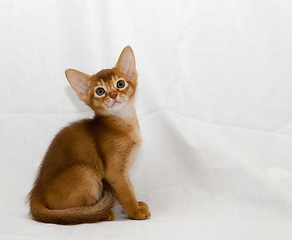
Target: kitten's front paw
<point>143,212</point>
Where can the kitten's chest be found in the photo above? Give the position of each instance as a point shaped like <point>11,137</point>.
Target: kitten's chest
<point>123,150</point>
<point>137,140</point>
<point>119,144</point>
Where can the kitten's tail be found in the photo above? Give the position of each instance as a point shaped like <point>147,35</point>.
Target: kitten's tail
<point>70,216</point>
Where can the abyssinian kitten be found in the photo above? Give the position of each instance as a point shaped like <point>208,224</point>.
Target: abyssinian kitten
<point>86,166</point>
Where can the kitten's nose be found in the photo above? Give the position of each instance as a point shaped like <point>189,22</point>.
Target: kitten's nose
<point>113,95</point>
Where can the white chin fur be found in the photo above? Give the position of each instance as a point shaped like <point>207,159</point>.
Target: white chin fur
<point>121,109</point>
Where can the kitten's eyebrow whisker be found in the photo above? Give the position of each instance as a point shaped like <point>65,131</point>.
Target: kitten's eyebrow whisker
<point>103,83</point>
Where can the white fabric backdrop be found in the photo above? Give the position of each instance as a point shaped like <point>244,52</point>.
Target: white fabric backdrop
<point>214,103</point>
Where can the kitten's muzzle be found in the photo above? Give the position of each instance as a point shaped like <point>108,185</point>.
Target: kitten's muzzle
<point>114,103</point>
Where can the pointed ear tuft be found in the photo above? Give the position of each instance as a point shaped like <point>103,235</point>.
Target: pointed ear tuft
<point>80,82</point>
<point>126,63</point>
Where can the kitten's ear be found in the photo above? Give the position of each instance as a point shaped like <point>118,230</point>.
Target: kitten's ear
<point>80,82</point>
<point>126,63</point>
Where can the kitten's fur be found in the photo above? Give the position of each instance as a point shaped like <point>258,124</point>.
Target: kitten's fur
<point>86,166</point>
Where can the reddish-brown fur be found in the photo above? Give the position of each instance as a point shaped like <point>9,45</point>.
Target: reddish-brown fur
<point>86,166</point>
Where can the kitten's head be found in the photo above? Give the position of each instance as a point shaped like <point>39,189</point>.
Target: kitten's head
<point>110,91</point>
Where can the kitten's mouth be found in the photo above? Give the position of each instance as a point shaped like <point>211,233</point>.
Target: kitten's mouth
<point>115,103</point>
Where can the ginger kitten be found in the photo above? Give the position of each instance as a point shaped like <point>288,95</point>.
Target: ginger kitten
<point>86,166</point>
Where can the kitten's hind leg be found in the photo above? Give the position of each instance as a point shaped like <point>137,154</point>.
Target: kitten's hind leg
<point>79,186</point>
<point>110,216</point>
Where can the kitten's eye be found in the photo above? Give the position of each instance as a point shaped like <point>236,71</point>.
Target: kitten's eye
<point>121,84</point>
<point>100,91</point>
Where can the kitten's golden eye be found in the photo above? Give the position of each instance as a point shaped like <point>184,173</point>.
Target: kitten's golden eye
<point>121,84</point>
<point>100,91</point>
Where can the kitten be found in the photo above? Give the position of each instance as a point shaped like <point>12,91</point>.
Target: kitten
<point>86,166</point>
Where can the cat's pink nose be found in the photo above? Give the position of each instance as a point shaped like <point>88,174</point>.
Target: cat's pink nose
<point>113,95</point>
